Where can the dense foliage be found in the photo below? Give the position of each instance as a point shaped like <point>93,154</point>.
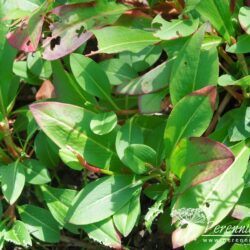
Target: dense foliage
<point>124,123</point>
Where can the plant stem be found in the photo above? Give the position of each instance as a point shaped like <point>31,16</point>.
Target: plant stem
<point>243,63</point>
<point>218,113</point>
<point>12,148</point>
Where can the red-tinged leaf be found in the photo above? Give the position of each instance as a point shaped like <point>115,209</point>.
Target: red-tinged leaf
<point>65,9</point>
<point>70,32</point>
<point>21,37</point>
<point>206,160</point>
<point>58,47</point>
<point>191,116</point>
<point>46,91</point>
<point>27,36</point>
<point>209,91</point>
<point>240,212</point>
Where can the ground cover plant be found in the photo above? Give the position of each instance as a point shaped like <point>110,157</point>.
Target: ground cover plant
<point>124,124</point>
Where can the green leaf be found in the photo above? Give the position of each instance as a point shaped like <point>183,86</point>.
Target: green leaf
<point>152,103</point>
<point>116,39</point>
<point>69,158</point>
<point>152,81</point>
<point>102,198</point>
<point>21,70</point>
<point>58,201</point>
<point>155,190</point>
<point>38,66</point>
<point>36,173</point>
<point>155,210</point>
<point>68,125</point>
<point>18,234</point>
<point>227,80</point>
<point>207,160</point>
<point>7,56</point>
<point>241,46</point>
<point>40,223</point>
<point>91,77</point>
<point>46,151</point>
<point>104,232</point>
<point>244,19</point>
<point>143,59</point>
<point>126,218</point>
<point>219,15</point>
<point>103,123</point>
<point>174,29</point>
<point>67,89</point>
<point>128,134</point>
<point>217,197</point>
<point>118,71</point>
<point>201,67</point>
<point>240,126</point>
<point>139,158</point>
<point>13,180</point>
<point>190,117</point>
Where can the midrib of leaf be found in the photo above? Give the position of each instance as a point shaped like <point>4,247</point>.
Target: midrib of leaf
<point>103,14</point>
<point>223,175</point>
<point>82,134</point>
<point>125,43</point>
<point>131,185</point>
<point>107,97</point>
<point>40,221</point>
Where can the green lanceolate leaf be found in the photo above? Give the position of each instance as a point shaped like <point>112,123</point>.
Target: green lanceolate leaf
<point>46,150</point>
<point>36,173</point>
<point>58,201</point>
<point>104,232</point>
<point>91,77</point>
<point>175,29</point>
<point>67,89</point>
<point>69,125</point>
<point>190,117</point>
<point>126,218</point>
<point>152,81</point>
<point>241,46</point>
<point>117,39</point>
<point>207,160</point>
<point>38,66</point>
<point>217,197</point>
<point>131,135</point>
<point>13,180</point>
<point>201,67</point>
<point>103,123</point>
<point>244,18</point>
<point>139,157</point>
<point>40,223</point>
<point>218,14</point>
<point>18,234</point>
<point>143,59</point>
<point>117,71</point>
<point>102,198</point>
<point>227,80</point>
